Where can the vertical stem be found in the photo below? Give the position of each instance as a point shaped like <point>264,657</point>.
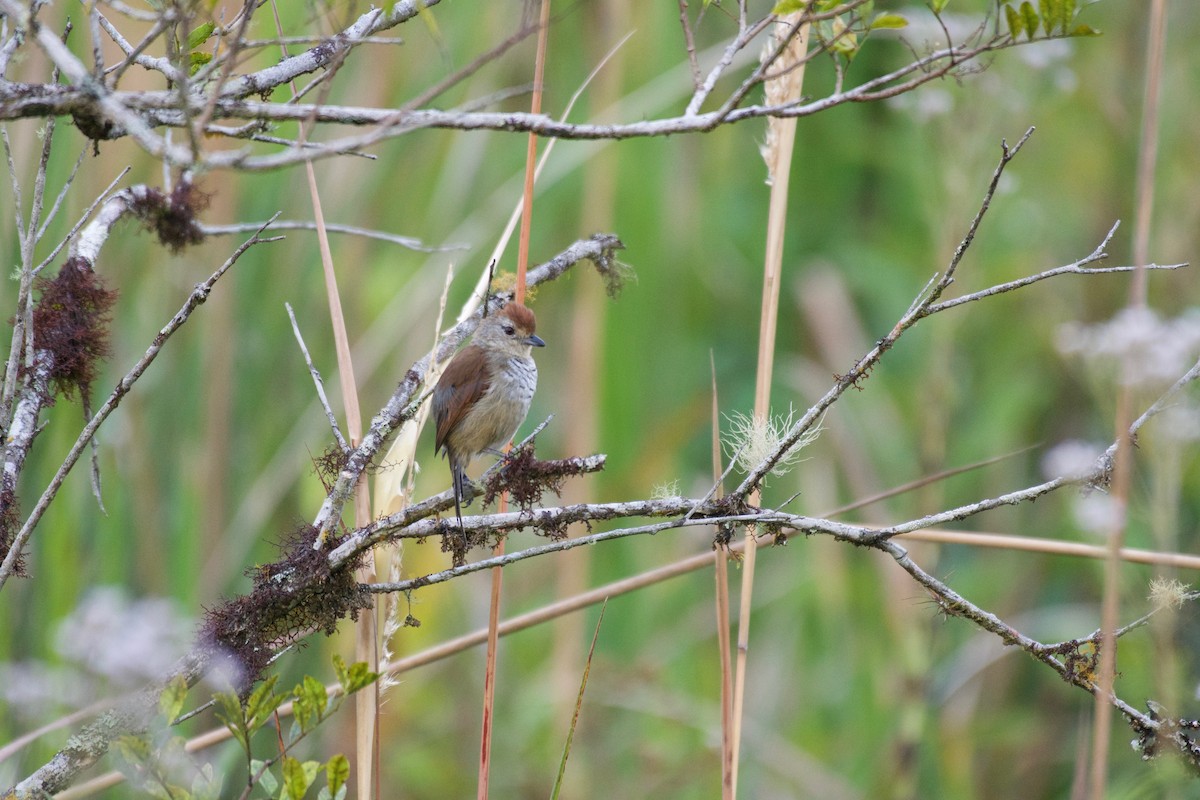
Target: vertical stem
<point>1123,468</point>
<point>489,681</point>
<point>1148,149</point>
<point>366,644</point>
<point>721,571</point>
<point>781,136</point>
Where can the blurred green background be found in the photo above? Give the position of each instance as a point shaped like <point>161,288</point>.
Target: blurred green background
<point>857,686</point>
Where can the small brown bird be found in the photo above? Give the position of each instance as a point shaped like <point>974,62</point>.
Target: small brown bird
<point>484,394</point>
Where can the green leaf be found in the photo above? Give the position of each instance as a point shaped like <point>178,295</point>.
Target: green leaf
<point>1068,14</point>
<point>359,677</point>
<point>1049,14</point>
<point>1031,19</point>
<point>199,35</point>
<point>309,704</point>
<point>1015,23</point>
<point>938,6</point>
<point>305,714</point>
<point>889,21</point>
<point>337,772</point>
<point>205,786</point>
<point>339,669</point>
<point>134,749</point>
<point>262,702</point>
<point>170,702</point>
<point>1085,30</point>
<point>844,41</point>
<point>267,781</point>
<point>196,61</point>
<point>295,778</point>
<point>789,6</point>
<point>230,711</point>
<point>315,690</point>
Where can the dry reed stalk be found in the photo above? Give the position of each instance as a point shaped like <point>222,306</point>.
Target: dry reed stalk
<point>366,643</point>
<point>721,572</point>
<point>609,21</point>
<point>1122,471</point>
<point>777,152</point>
<point>489,681</point>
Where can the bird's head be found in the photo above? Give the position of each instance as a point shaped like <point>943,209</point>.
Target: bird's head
<point>509,331</point>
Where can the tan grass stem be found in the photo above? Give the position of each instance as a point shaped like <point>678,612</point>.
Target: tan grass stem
<point>777,152</point>
<point>1123,468</point>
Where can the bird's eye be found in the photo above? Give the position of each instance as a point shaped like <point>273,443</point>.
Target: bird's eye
<point>508,330</point>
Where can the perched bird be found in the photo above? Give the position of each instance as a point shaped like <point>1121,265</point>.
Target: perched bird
<point>484,394</point>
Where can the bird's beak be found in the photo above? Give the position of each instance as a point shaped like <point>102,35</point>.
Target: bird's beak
<point>535,341</point>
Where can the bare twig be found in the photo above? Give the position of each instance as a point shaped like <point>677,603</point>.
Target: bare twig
<point>409,242</point>
<point>134,111</point>
<point>317,382</point>
<point>194,300</point>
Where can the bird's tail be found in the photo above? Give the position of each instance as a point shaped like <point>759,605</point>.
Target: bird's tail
<point>459,476</point>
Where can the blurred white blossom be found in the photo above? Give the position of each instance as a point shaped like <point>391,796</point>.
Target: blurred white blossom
<point>1073,459</point>
<point>1181,423</point>
<point>34,689</point>
<point>127,641</point>
<point>1097,513</point>
<point>1148,350</point>
<point>925,104</point>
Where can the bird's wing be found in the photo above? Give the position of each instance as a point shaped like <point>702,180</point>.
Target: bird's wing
<point>460,387</point>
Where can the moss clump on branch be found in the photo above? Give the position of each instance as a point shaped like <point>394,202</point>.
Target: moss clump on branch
<point>291,598</point>
<point>70,322</point>
<point>172,217</point>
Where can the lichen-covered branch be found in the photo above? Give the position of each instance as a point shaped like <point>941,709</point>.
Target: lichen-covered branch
<point>218,91</point>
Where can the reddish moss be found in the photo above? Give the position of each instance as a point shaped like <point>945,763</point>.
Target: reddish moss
<point>172,218</point>
<point>329,464</point>
<point>526,478</point>
<point>70,320</point>
<point>290,598</point>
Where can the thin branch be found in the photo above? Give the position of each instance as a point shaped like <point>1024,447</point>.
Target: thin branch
<point>411,242</point>
<point>1068,269</point>
<point>194,300</point>
<point>317,382</point>
<point>690,43</point>
<point>1007,154</point>
<point>918,310</point>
